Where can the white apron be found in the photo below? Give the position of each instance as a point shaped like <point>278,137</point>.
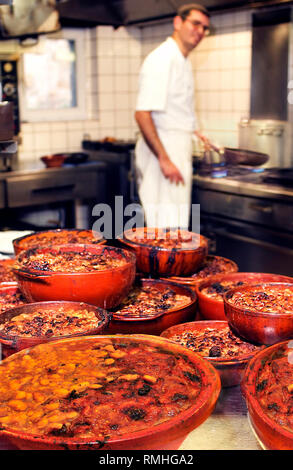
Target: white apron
<point>165,204</point>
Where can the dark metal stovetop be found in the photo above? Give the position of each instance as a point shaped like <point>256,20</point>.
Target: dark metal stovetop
<point>257,175</point>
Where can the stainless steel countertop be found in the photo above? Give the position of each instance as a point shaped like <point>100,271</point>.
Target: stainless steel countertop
<point>228,427</point>
<point>246,187</point>
<point>33,168</point>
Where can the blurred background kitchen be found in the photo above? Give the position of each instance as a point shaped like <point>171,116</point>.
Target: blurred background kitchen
<point>73,92</point>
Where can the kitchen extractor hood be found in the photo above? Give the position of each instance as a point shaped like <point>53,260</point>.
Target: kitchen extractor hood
<point>126,12</point>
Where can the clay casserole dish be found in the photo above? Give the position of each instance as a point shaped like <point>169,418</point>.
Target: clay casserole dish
<point>104,287</point>
<point>160,317</point>
<point>190,334</point>
<point>166,253</point>
<point>261,313</point>
<point>13,342</point>
<point>90,405</point>
<point>211,307</point>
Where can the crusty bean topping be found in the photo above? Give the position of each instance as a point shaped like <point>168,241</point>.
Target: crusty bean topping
<point>68,389</point>
<point>59,238</point>
<point>213,342</point>
<point>213,265</point>
<point>216,290</point>
<point>6,273</point>
<point>148,301</point>
<point>267,298</point>
<point>58,260</point>
<point>163,238</point>
<point>51,322</point>
<point>10,299</point>
<point>274,387</point>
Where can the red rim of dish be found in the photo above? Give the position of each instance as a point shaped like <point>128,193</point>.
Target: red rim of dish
<point>255,313</point>
<point>130,259</point>
<point>203,243</point>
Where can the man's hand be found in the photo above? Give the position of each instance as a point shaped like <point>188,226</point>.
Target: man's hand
<point>170,171</point>
<point>146,124</point>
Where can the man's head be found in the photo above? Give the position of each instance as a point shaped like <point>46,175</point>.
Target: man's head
<point>191,24</point>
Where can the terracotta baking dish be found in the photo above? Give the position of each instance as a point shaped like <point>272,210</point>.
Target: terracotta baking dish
<point>259,326</point>
<point>271,434</point>
<point>59,236</point>
<point>14,343</point>
<point>211,266</point>
<point>104,288</point>
<point>162,319</point>
<point>10,297</point>
<point>213,309</point>
<point>6,274</point>
<point>168,434</point>
<point>180,260</point>
<point>230,369</point>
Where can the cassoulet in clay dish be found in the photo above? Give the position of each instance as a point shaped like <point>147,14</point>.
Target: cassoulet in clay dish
<point>162,252</point>
<point>210,293</point>
<point>95,274</point>
<point>30,324</point>
<point>261,313</point>
<point>105,392</point>
<point>214,341</point>
<point>267,388</point>
<point>152,306</point>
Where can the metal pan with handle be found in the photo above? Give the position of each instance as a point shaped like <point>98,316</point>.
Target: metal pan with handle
<point>234,156</point>
<point>244,157</point>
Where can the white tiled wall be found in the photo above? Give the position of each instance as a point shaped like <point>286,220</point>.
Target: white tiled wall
<point>221,65</point>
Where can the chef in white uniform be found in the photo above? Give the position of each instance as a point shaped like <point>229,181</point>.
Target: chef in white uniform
<point>165,113</point>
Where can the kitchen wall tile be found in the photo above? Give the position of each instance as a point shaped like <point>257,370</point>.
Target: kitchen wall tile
<point>121,84</point>
<point>242,57</point>
<point>105,47</point>
<point>134,48</point>
<point>241,79</point>
<point>59,141</point>
<point>226,100</point>
<point>242,38</point>
<point>74,139</point>
<point>42,141</point>
<point>27,142</point>
<point>226,39</point>
<point>226,58</point>
<point>122,101</point>
<point>106,66</point>
<point>106,84</point>
<point>106,102</point>
<point>121,66</point>
<point>58,126</point>
<point>120,47</point>
<point>104,32</point>
<point>106,119</point>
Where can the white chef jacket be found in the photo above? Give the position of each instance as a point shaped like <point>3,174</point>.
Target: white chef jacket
<point>166,88</point>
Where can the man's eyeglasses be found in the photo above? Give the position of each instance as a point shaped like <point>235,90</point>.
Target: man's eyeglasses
<point>198,25</point>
